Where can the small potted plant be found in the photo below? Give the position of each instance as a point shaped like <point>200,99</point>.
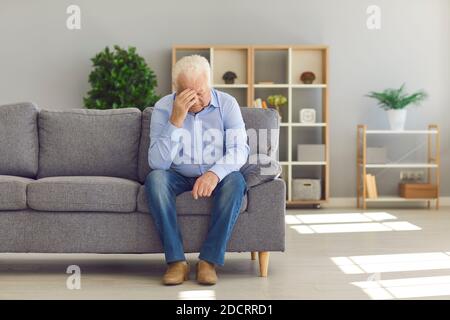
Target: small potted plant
<point>395,101</point>
<point>307,77</point>
<point>229,77</point>
<point>276,101</point>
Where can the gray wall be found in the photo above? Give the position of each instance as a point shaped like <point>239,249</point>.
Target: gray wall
<point>42,61</point>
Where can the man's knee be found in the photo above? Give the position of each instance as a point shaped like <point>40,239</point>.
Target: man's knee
<point>157,180</point>
<point>234,182</point>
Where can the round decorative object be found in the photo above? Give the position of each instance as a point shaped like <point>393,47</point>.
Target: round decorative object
<point>308,77</point>
<point>229,77</point>
<point>307,116</point>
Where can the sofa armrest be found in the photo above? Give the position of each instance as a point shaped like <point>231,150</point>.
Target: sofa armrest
<point>268,196</point>
<point>266,210</point>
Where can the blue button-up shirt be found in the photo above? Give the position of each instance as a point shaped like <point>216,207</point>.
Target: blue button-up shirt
<point>213,139</point>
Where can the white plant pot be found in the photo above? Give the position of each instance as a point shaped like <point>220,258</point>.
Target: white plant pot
<point>397,119</point>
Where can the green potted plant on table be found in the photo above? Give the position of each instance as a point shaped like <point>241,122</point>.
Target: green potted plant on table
<point>395,101</point>
<point>120,79</point>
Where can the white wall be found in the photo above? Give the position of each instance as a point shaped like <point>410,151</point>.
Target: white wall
<point>42,61</point>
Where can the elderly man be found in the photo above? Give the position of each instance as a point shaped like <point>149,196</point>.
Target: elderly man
<point>198,144</point>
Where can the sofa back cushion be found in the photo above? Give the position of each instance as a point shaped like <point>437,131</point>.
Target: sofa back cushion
<point>143,167</point>
<point>260,141</point>
<point>19,146</point>
<point>81,142</point>
<point>262,127</point>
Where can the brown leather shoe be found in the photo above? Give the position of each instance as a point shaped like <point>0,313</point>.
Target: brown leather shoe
<point>206,273</point>
<point>176,273</point>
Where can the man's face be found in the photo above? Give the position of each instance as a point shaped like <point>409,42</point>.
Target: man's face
<point>200,85</point>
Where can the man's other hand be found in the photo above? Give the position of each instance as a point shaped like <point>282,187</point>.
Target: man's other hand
<point>205,185</point>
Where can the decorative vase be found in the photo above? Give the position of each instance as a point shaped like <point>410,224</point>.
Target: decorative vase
<point>397,119</point>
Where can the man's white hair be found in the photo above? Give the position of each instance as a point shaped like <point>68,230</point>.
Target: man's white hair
<point>191,66</point>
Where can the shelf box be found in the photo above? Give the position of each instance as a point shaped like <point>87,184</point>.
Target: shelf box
<point>235,60</point>
<point>307,60</point>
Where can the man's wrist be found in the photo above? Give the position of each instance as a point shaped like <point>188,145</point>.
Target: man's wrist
<point>178,124</point>
<point>215,174</point>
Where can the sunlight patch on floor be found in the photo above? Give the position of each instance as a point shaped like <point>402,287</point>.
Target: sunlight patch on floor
<point>339,218</point>
<point>393,262</point>
<point>347,223</point>
<point>197,295</point>
<point>406,288</point>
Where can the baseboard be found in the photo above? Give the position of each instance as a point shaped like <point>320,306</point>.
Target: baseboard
<point>350,202</point>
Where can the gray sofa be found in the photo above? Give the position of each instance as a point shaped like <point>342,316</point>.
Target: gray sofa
<point>72,182</point>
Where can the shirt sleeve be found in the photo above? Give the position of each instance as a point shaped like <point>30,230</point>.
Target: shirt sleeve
<point>236,147</point>
<point>163,148</point>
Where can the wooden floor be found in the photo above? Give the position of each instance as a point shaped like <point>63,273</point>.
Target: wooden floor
<point>401,254</point>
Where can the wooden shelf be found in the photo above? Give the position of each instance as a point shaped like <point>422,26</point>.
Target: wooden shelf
<point>308,163</point>
<point>432,165</point>
<point>403,165</point>
<point>224,86</point>
<point>294,203</point>
<point>271,86</point>
<point>398,199</point>
<point>282,65</point>
<point>308,86</point>
<point>308,125</point>
<point>401,132</point>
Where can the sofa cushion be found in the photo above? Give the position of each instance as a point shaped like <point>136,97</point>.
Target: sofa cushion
<point>82,142</point>
<point>262,127</point>
<point>13,192</point>
<point>83,194</point>
<point>186,205</point>
<point>19,140</point>
<point>260,168</point>
<point>144,144</point>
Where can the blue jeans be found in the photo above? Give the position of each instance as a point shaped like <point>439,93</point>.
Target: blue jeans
<point>162,187</point>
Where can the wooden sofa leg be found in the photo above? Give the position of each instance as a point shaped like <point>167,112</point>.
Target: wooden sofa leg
<point>253,255</point>
<point>263,263</point>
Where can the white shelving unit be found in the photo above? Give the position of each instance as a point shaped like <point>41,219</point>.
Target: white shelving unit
<point>432,166</point>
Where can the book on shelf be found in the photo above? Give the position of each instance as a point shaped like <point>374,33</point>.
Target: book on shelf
<point>371,186</point>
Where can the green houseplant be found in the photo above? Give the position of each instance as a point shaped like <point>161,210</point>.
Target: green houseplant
<point>276,101</point>
<point>395,101</point>
<point>120,79</point>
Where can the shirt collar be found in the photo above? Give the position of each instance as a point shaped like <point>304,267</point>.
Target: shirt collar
<point>214,101</point>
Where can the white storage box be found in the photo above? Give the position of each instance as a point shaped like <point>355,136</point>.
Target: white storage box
<point>306,189</point>
<point>311,152</point>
